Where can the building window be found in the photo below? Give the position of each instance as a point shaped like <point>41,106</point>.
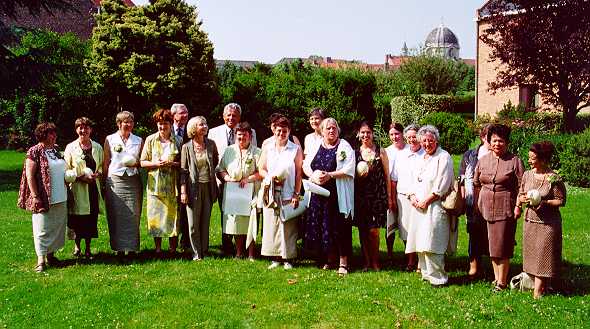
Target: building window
<point>528,96</point>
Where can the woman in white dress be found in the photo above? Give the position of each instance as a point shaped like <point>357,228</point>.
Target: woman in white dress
<point>280,166</point>
<point>239,164</point>
<point>401,177</point>
<point>428,235</point>
<point>396,136</point>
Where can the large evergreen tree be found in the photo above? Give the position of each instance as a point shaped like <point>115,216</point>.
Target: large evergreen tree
<point>152,56</point>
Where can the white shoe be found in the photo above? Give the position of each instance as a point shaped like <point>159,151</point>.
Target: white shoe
<point>288,266</point>
<point>273,265</point>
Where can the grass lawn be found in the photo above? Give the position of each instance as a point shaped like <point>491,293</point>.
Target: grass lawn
<point>222,292</point>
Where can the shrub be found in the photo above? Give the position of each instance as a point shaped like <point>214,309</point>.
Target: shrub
<point>575,160</point>
<point>455,135</point>
<point>407,110</point>
<point>521,141</point>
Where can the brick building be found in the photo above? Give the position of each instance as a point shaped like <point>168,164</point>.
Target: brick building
<point>487,102</point>
<point>79,19</point>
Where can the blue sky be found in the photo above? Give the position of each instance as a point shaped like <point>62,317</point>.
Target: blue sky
<point>267,30</point>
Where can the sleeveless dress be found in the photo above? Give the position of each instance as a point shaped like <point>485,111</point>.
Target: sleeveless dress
<point>326,229</point>
<point>370,195</point>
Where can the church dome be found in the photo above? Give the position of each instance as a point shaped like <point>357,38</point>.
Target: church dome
<point>441,36</point>
<point>442,42</point>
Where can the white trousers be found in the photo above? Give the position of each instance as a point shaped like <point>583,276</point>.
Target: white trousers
<point>432,267</point>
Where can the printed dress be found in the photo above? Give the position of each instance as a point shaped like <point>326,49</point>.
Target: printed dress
<point>162,206</point>
<point>326,229</point>
<point>370,194</point>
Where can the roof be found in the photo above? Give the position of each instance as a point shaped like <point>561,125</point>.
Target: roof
<point>79,20</point>
<point>441,36</point>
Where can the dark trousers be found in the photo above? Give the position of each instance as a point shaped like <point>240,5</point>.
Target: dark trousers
<point>227,246</point>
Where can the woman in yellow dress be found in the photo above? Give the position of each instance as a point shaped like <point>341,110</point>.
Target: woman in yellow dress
<point>160,156</point>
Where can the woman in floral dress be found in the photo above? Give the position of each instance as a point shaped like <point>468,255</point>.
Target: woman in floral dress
<point>372,192</point>
<point>160,156</point>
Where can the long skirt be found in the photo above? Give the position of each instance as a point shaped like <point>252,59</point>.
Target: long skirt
<point>123,204</point>
<point>162,216</point>
<point>541,248</point>
<point>278,238</point>
<point>49,229</point>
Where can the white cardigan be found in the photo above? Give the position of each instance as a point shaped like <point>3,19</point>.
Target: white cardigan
<point>344,185</point>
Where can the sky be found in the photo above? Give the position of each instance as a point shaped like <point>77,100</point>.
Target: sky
<point>365,30</point>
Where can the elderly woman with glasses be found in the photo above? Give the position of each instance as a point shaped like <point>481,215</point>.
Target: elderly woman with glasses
<point>429,231</point>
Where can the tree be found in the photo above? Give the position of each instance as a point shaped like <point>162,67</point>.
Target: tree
<point>152,56</point>
<point>435,75</point>
<point>543,44</point>
<point>21,70</point>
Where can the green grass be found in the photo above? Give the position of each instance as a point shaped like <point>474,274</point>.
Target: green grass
<point>221,292</point>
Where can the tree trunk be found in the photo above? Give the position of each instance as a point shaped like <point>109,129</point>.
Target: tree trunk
<point>570,123</point>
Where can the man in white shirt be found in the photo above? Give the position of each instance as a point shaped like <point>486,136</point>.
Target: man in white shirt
<point>223,136</point>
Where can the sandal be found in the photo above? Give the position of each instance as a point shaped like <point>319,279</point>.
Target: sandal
<point>343,270</point>
<point>77,253</point>
<point>40,268</point>
<point>499,288</point>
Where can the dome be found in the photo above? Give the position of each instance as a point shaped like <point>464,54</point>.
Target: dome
<point>442,42</point>
<point>441,36</point>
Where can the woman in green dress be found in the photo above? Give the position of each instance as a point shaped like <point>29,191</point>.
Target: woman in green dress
<point>239,165</point>
<point>160,156</point>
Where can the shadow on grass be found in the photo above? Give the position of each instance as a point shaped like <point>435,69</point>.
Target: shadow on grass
<point>9,180</point>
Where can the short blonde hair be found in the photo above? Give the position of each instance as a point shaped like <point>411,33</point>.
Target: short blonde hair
<point>327,121</point>
<point>191,126</point>
<point>124,116</point>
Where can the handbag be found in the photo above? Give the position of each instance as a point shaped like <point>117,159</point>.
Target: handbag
<point>453,202</point>
<point>522,282</point>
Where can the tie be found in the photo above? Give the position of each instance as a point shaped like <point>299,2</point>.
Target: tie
<point>230,137</point>
<point>179,132</point>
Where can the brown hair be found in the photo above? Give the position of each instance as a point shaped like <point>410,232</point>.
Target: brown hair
<point>163,115</point>
<point>499,130</point>
<point>397,126</point>
<point>544,150</point>
<point>83,121</point>
<point>244,127</point>
<point>43,130</point>
<point>283,122</point>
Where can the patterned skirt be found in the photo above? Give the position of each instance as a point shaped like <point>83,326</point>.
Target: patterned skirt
<point>123,200</point>
<point>541,250</point>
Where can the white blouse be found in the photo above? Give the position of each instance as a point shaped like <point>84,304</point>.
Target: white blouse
<point>403,167</point>
<point>283,159</point>
<point>119,149</point>
<point>312,143</point>
<point>57,171</point>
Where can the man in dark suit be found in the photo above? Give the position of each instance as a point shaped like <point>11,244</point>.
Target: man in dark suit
<point>180,117</point>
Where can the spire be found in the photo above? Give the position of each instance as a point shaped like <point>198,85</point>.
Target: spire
<point>405,49</point>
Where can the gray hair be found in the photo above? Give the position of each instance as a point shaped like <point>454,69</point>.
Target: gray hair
<point>326,121</point>
<point>232,106</point>
<point>191,126</point>
<point>428,129</point>
<point>413,127</point>
<point>177,106</point>
<point>124,116</point>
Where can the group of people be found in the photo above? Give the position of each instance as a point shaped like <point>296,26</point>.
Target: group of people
<point>316,191</point>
